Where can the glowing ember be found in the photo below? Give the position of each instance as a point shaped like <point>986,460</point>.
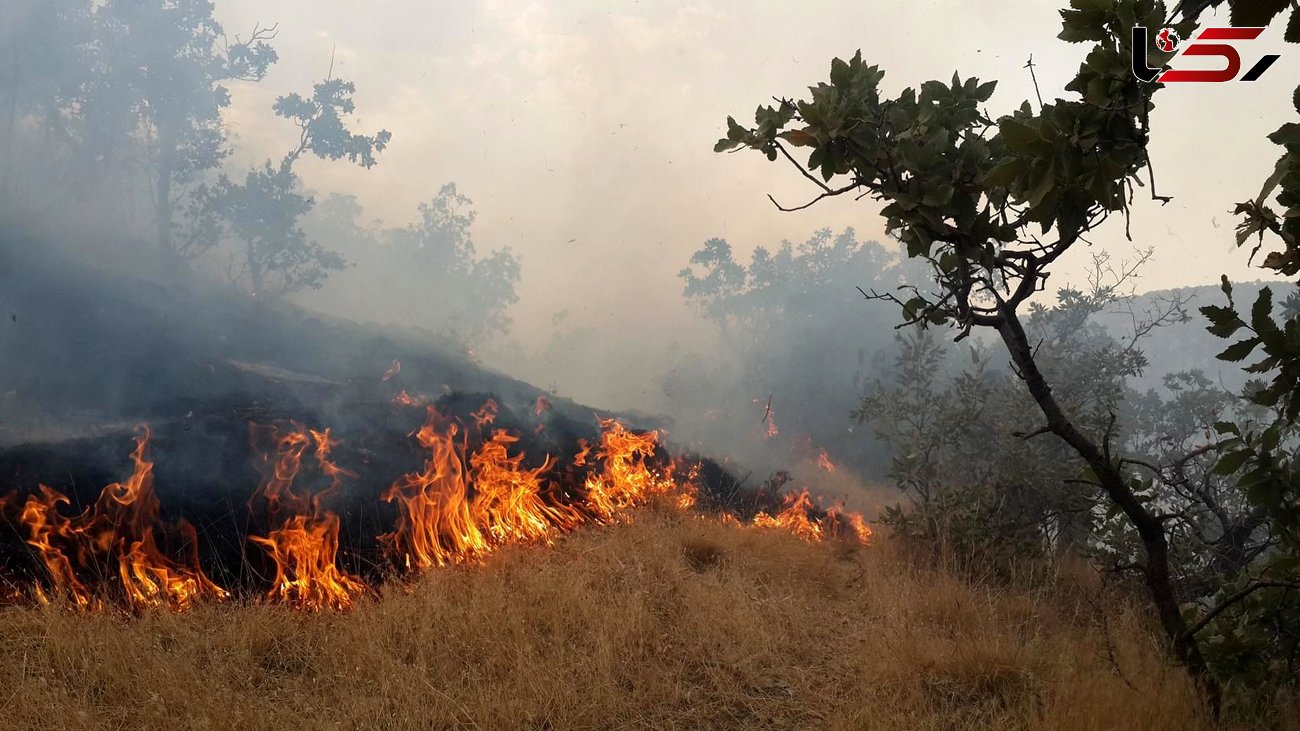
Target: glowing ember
<point>824,461</point>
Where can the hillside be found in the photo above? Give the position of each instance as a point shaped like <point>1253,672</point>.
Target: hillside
<point>664,621</point>
<point>1185,346</point>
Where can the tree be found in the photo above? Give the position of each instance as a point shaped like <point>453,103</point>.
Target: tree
<point>965,194</point>
<point>469,294</point>
<point>1251,626</point>
<point>158,80</point>
<point>435,277</point>
<point>264,212</point>
<point>786,317</point>
<point>46,51</point>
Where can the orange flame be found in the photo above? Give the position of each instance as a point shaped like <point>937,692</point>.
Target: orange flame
<point>457,508</point>
<point>464,504</point>
<point>119,528</point>
<point>627,478</point>
<point>797,515</point>
<point>304,548</point>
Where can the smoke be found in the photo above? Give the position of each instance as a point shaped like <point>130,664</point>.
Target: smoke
<point>580,136</point>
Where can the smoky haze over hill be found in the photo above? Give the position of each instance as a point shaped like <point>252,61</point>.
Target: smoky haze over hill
<point>530,189</point>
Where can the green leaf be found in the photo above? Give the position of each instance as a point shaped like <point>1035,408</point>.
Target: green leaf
<point>1042,185</point>
<point>798,138</point>
<point>1269,440</point>
<point>1231,462</point>
<point>1223,320</point>
<point>1227,427</point>
<point>1287,134</point>
<point>984,91</point>
<point>1238,352</point>
<point>735,131</point>
<point>1262,311</point>
<point>1292,35</point>
<point>938,196</point>
<point>1256,13</point>
<point>1079,26</point>
<point>1279,170</point>
<point>1019,137</point>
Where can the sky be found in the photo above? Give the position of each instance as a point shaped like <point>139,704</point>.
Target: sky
<point>583,130</point>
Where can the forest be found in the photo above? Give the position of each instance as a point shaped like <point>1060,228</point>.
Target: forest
<point>459,370</point>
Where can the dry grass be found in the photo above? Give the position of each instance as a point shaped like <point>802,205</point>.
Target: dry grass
<point>667,622</point>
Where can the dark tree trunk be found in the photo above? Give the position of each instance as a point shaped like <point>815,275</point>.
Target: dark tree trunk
<point>1147,525</point>
<point>163,202</point>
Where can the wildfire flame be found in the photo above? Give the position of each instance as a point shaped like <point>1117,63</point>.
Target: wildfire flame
<point>475,493</point>
<point>305,546</point>
<point>121,529</point>
<point>458,507</point>
<point>824,461</point>
<point>797,516</point>
<point>628,478</point>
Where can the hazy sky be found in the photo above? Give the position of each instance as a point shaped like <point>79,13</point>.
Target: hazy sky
<point>583,130</point>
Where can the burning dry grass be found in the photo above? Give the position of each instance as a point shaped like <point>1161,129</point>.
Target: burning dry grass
<point>670,620</point>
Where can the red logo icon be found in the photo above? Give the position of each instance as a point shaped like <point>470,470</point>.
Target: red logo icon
<point>1167,40</point>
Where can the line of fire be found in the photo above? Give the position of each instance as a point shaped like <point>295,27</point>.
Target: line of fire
<point>306,546</point>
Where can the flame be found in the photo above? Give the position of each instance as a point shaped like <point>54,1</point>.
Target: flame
<point>798,515</point>
<point>824,461</point>
<point>304,547</point>
<point>393,370</point>
<point>458,508</point>
<point>475,493</point>
<point>795,516</point>
<point>627,478</point>
<point>45,526</point>
<point>121,528</point>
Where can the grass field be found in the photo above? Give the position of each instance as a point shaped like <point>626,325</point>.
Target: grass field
<point>664,621</point>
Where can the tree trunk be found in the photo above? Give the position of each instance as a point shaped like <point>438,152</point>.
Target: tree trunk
<point>163,206</point>
<point>1147,525</point>
<point>254,269</point>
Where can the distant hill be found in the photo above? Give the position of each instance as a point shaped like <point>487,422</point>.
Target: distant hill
<point>1186,346</point>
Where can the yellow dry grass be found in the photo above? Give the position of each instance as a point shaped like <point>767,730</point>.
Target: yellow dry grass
<point>668,621</point>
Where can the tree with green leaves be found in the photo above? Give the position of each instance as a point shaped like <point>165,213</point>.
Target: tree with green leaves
<point>990,206</point>
<point>1252,626</point>
<point>128,88</point>
<point>263,213</point>
<point>791,341</point>
<point>435,275</point>
<point>160,70</point>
